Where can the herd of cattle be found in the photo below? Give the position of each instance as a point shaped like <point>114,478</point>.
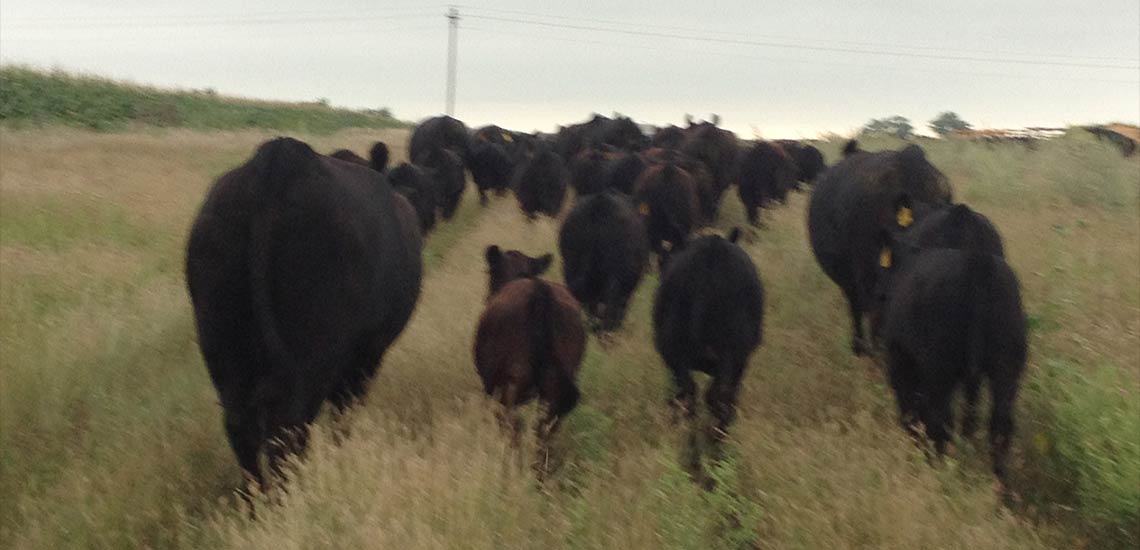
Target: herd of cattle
<point>304,268</point>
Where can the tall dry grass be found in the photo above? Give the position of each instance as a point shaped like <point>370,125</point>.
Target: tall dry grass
<point>110,435</point>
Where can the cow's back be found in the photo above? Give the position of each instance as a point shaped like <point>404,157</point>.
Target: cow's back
<point>315,255</point>
<point>503,344</point>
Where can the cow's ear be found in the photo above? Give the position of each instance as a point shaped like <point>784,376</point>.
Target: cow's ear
<point>494,255</point>
<point>904,211</point>
<point>539,265</point>
<point>734,235</point>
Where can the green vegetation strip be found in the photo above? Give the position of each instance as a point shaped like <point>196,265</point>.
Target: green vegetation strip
<point>30,97</point>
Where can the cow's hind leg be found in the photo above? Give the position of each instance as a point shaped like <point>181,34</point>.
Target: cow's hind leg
<point>684,398</point>
<point>858,341</point>
<point>905,379</point>
<point>616,300</point>
<point>722,393</point>
<point>970,405</point>
<point>508,416</point>
<point>937,412</point>
<point>1003,393</point>
<point>753,213</point>
<point>245,436</point>
<point>289,410</point>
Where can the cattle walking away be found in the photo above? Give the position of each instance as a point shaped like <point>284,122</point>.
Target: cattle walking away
<point>708,316</point>
<point>808,159</point>
<point>540,184</point>
<point>620,133</point>
<point>622,171</point>
<point>349,156</point>
<point>302,270</point>
<point>441,132</point>
<point>587,171</point>
<point>716,148</point>
<point>445,167</point>
<point>530,340</point>
<point>957,227</point>
<point>667,201</point>
<point>419,188</point>
<point>491,168</point>
<point>852,204</point>
<point>953,317</point>
<point>765,174</point>
<point>604,252</point>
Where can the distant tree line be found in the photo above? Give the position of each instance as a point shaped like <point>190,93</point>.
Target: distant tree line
<point>944,124</point>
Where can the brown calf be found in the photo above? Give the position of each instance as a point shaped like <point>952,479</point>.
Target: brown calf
<point>530,339</point>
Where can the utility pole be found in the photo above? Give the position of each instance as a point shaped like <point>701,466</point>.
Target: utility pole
<point>452,52</point>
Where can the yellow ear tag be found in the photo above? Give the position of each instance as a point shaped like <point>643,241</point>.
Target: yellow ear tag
<point>644,209</point>
<point>885,258</point>
<point>905,217</point>
<point>507,138</point>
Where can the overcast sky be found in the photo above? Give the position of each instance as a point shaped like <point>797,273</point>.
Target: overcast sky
<point>783,69</point>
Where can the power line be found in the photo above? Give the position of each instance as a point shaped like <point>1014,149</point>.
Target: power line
<point>417,8</point>
<point>793,60</point>
<point>640,25</point>
<point>774,44</point>
<point>221,22</point>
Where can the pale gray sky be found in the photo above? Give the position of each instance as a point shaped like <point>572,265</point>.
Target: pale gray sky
<point>785,69</point>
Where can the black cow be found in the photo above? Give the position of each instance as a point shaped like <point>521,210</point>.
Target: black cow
<point>441,132</point>
<point>708,316</point>
<point>415,184</point>
<point>717,149</point>
<point>349,156</point>
<point>667,201</point>
<point>668,137</point>
<point>952,317</point>
<point>491,168</point>
<point>852,203</point>
<point>808,159</point>
<point>540,184</point>
<point>699,173</point>
<point>302,270</point>
<point>445,166</point>
<point>765,174</point>
<point>492,134</point>
<point>957,227</point>
<point>604,251</point>
<point>621,172</point>
<point>621,133</point>
<point>587,171</point>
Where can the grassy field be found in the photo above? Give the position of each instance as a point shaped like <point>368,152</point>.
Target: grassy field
<point>111,436</point>
<point>30,97</point>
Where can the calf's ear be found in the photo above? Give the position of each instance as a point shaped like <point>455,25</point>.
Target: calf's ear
<point>494,255</point>
<point>734,235</point>
<point>539,265</point>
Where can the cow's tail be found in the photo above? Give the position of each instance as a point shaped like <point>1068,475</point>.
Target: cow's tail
<point>672,175</point>
<point>276,166</point>
<point>543,359</point>
<point>982,270</point>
